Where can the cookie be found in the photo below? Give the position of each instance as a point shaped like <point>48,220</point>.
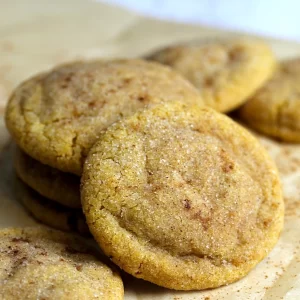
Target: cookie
<point>49,182</point>
<point>182,196</point>
<point>49,212</point>
<point>275,109</point>
<point>57,116</point>
<point>38,263</point>
<point>226,72</point>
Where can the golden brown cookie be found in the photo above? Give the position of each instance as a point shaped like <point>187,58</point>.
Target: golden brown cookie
<point>39,263</point>
<point>275,109</point>
<point>226,72</point>
<point>49,182</point>
<point>182,196</point>
<point>56,117</point>
<point>50,212</point>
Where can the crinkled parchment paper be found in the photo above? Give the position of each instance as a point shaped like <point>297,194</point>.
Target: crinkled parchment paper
<point>37,34</point>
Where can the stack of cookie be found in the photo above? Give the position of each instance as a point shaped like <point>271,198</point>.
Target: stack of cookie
<point>173,191</point>
<point>56,117</point>
<point>49,195</point>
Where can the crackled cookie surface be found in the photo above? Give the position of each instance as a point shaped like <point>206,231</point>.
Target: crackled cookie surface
<point>275,108</point>
<point>56,117</point>
<point>37,263</point>
<point>50,212</point>
<point>182,196</point>
<point>226,72</point>
<point>49,182</point>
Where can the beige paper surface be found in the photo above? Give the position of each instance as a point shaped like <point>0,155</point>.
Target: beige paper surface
<point>37,34</point>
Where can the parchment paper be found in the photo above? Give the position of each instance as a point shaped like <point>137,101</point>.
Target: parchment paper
<point>37,34</point>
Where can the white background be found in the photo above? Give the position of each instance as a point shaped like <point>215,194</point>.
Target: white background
<point>277,18</point>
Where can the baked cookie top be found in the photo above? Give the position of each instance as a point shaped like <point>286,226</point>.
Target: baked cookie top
<point>275,108</point>
<point>56,117</point>
<point>49,212</point>
<point>49,182</point>
<point>182,196</point>
<point>226,72</point>
<point>37,263</point>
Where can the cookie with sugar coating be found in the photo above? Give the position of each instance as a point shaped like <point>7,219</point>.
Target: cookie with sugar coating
<point>226,72</point>
<point>182,196</point>
<point>275,109</point>
<point>55,117</point>
<point>39,263</point>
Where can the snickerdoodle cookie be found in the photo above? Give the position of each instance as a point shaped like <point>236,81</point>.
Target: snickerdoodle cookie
<point>275,109</point>
<point>182,196</point>
<point>55,117</point>
<point>226,72</point>
<point>37,263</point>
